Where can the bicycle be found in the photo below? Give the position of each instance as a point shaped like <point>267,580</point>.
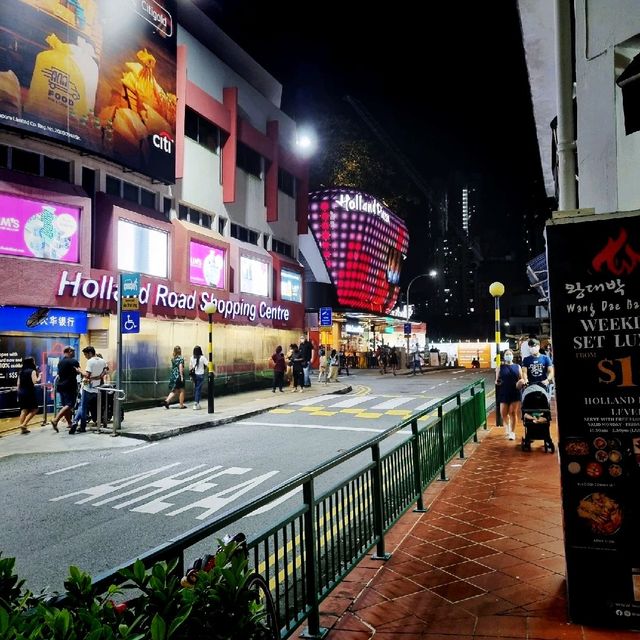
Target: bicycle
<point>256,585</point>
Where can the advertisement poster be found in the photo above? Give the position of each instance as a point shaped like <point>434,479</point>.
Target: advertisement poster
<point>290,286</point>
<point>254,276</point>
<point>33,229</point>
<point>96,74</point>
<point>206,265</point>
<point>594,277</point>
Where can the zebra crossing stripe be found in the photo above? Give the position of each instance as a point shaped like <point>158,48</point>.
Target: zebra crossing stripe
<point>351,402</point>
<point>393,403</point>
<point>427,404</point>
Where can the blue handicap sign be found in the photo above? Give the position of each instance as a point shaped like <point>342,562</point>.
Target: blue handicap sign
<point>325,317</point>
<point>130,284</point>
<point>130,322</point>
<point>407,328</point>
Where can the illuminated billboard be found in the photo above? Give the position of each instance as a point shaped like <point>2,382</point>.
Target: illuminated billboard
<point>206,265</point>
<point>35,229</point>
<point>362,244</point>
<point>254,276</point>
<point>290,286</point>
<point>142,249</point>
<point>95,74</point>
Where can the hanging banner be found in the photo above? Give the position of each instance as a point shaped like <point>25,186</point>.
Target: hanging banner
<point>594,277</point>
<point>95,74</point>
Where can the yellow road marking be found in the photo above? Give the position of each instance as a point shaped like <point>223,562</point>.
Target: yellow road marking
<point>325,413</point>
<point>282,410</point>
<point>311,409</point>
<point>350,410</point>
<point>399,412</point>
<point>369,414</point>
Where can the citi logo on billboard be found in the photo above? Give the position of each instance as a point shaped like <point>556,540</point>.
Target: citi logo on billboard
<point>163,141</point>
<point>155,14</point>
<point>9,224</point>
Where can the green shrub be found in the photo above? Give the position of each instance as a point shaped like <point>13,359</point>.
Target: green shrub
<point>218,607</point>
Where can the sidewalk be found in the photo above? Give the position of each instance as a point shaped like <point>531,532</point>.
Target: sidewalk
<point>485,562</point>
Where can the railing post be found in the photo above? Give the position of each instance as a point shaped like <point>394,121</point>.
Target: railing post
<point>443,461</point>
<point>484,404</point>
<point>314,630</point>
<point>460,425</point>
<point>417,466</point>
<point>378,507</point>
<point>474,402</point>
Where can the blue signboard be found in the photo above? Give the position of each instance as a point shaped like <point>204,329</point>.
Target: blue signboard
<point>42,320</point>
<point>325,317</point>
<point>130,285</point>
<point>130,322</point>
<point>407,328</point>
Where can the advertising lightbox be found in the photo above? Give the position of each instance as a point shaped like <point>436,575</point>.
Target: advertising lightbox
<point>96,74</point>
<point>142,249</point>
<point>290,286</point>
<point>206,265</point>
<point>34,229</point>
<point>362,244</point>
<point>254,276</point>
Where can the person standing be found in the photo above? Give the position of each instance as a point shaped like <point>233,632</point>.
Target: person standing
<point>344,363</point>
<point>28,378</point>
<point>508,381</point>
<point>297,364</point>
<point>67,386</point>
<point>176,379</point>
<point>93,375</point>
<point>537,368</point>
<point>525,350</point>
<point>415,355</point>
<point>393,360</point>
<point>279,366</point>
<point>323,366</point>
<point>306,351</point>
<point>196,372</point>
<point>334,365</point>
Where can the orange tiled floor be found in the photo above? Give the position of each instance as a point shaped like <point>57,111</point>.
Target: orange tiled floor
<point>485,562</point>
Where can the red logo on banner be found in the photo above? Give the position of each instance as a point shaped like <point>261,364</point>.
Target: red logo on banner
<point>618,256</point>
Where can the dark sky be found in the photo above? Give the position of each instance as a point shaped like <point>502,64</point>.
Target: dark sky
<point>446,81</point>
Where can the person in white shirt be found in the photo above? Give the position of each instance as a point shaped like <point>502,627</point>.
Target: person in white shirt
<point>196,373</point>
<point>525,349</point>
<point>92,378</point>
<point>414,351</point>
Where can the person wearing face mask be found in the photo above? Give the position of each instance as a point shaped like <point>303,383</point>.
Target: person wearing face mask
<point>508,380</point>
<point>537,368</point>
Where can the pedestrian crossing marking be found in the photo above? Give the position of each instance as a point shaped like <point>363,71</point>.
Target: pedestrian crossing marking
<point>350,410</point>
<point>393,402</point>
<point>325,413</point>
<point>369,414</point>
<point>399,412</point>
<point>312,409</point>
<point>352,402</point>
<point>282,410</point>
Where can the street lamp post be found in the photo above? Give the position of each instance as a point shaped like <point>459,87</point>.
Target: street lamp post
<point>496,289</point>
<point>432,274</point>
<point>210,309</point>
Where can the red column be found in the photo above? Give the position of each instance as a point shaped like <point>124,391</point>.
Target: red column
<point>271,179</point>
<point>181,94</point>
<point>229,148</point>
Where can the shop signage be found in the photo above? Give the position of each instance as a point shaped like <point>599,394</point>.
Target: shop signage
<point>77,76</point>
<point>361,202</point>
<point>56,321</point>
<point>594,276</point>
<point>160,295</point>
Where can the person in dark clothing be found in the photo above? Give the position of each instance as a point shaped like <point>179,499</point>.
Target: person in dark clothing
<point>306,351</point>
<point>67,386</point>
<point>508,379</point>
<point>279,366</point>
<point>297,364</point>
<point>28,378</point>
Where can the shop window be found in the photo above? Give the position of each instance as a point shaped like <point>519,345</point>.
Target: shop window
<point>25,161</point>
<point>249,160</point>
<point>56,169</point>
<point>286,183</point>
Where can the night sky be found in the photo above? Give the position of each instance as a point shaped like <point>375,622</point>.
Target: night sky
<point>449,87</point>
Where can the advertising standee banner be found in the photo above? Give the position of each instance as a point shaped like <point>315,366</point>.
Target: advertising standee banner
<point>594,277</point>
<point>96,74</point>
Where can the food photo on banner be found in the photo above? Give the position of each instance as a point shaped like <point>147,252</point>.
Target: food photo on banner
<point>595,310</point>
<point>96,74</point>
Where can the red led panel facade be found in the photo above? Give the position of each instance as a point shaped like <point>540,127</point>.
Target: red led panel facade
<point>362,244</point>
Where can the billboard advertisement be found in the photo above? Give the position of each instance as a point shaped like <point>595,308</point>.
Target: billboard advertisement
<point>290,286</point>
<point>254,276</point>
<point>96,74</point>
<point>33,229</point>
<point>594,264</point>
<point>206,265</point>
<point>362,244</point>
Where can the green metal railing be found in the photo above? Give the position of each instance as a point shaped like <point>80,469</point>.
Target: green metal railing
<point>305,556</point>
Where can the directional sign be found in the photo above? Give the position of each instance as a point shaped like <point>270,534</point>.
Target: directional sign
<point>130,304</point>
<point>130,283</point>
<point>407,328</point>
<point>325,317</point>
<point>130,322</point>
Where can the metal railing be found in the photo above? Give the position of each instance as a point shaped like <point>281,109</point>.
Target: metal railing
<point>306,555</point>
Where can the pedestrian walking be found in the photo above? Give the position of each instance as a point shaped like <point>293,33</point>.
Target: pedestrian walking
<point>67,386</point>
<point>297,365</point>
<point>196,373</point>
<point>306,351</point>
<point>28,378</point>
<point>334,364</point>
<point>279,367</point>
<point>416,361</point>
<point>393,360</point>
<point>344,362</point>
<point>537,368</point>
<point>323,367</point>
<point>92,379</point>
<point>176,379</point>
<point>508,381</point>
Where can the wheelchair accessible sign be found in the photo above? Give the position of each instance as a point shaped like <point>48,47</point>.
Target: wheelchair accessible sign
<point>129,314</point>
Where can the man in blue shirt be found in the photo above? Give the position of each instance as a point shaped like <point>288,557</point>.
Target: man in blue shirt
<point>537,368</point>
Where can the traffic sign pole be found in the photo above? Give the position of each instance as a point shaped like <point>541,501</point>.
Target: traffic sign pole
<point>116,397</point>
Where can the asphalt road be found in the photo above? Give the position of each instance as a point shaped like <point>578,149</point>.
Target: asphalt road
<point>97,509</point>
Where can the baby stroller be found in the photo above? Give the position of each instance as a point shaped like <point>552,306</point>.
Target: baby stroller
<point>536,417</point>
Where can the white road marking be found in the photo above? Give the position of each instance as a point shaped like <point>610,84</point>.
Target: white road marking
<point>146,446</point>
<point>74,466</point>
<point>292,425</point>
<point>352,402</point>
<point>427,404</point>
<point>393,403</point>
